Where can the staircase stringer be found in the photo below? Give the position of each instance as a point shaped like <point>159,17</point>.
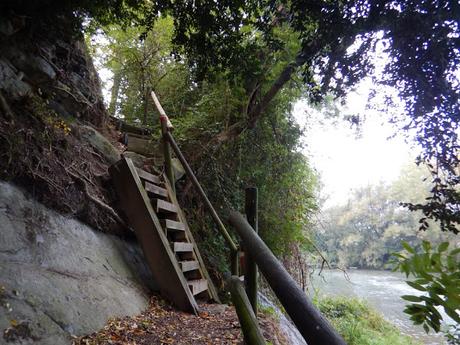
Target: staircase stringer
<point>162,261</point>
<point>212,291</point>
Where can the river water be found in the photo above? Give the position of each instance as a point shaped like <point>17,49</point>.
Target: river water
<point>382,290</point>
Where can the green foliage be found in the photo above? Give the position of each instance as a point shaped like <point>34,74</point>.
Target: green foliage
<point>359,324</point>
<point>266,156</point>
<point>269,311</point>
<point>334,43</point>
<point>365,231</point>
<point>437,274</point>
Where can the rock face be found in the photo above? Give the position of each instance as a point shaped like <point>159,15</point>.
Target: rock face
<point>58,277</point>
<point>100,143</point>
<point>44,57</point>
<point>52,114</point>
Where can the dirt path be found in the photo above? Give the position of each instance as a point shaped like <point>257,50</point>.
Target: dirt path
<point>162,324</point>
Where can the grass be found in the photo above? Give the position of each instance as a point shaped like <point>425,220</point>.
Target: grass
<point>359,324</point>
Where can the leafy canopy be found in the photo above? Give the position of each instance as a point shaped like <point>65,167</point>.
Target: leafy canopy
<point>337,40</point>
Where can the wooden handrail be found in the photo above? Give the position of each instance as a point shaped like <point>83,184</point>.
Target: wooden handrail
<point>313,326</point>
<point>197,185</point>
<point>248,320</point>
<point>250,272</point>
<point>168,140</point>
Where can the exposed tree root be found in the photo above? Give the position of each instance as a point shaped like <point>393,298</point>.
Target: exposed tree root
<point>97,201</point>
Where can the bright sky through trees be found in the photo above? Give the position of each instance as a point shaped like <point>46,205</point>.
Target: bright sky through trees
<point>347,159</point>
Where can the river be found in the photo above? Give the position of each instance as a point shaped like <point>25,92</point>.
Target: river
<point>382,290</point>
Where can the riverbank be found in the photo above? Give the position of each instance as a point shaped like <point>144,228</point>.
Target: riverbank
<point>359,324</point>
<point>382,290</point>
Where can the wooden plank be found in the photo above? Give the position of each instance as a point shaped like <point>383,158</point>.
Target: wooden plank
<point>189,265</point>
<point>172,225</point>
<point>248,320</point>
<point>155,245</point>
<point>212,291</point>
<point>182,247</point>
<point>154,190</point>
<point>198,285</point>
<point>143,145</point>
<point>164,206</point>
<point>148,176</point>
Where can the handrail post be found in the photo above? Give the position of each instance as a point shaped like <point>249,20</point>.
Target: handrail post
<point>166,126</point>
<point>313,326</point>
<point>248,320</point>
<point>167,155</point>
<point>235,262</point>
<point>196,183</point>
<point>250,278</point>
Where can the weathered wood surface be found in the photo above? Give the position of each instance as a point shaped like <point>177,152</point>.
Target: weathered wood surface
<point>248,320</point>
<point>144,175</point>
<point>212,291</point>
<point>182,247</point>
<point>198,286</point>
<point>158,253</point>
<point>250,276</point>
<point>189,265</point>
<point>162,206</point>
<point>143,145</point>
<point>154,190</point>
<point>126,127</point>
<point>172,225</point>
<point>313,326</point>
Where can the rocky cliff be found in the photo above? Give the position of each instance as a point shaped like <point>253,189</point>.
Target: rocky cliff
<point>50,109</point>
<point>60,278</point>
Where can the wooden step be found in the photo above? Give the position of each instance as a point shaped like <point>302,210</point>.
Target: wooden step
<point>156,246</point>
<point>144,175</point>
<point>189,265</point>
<point>172,225</point>
<point>162,206</point>
<point>181,247</point>
<point>198,285</point>
<point>155,191</point>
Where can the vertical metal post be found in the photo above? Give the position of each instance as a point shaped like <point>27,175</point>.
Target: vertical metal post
<point>251,273</point>
<point>167,153</point>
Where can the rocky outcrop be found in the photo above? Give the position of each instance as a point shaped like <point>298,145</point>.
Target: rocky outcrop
<point>51,109</point>
<point>47,58</point>
<point>58,277</point>
<point>100,143</point>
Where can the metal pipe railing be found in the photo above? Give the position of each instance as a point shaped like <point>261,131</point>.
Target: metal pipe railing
<point>314,328</point>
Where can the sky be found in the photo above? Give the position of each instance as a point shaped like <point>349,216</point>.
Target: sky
<point>345,160</point>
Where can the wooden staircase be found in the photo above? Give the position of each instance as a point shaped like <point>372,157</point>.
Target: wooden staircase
<point>160,226</point>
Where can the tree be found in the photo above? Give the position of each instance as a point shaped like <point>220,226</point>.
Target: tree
<point>336,43</point>
<point>371,225</point>
<point>373,230</point>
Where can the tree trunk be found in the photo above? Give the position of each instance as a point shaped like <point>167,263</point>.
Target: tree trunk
<point>114,93</point>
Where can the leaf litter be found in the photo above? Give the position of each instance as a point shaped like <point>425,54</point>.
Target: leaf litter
<point>162,324</point>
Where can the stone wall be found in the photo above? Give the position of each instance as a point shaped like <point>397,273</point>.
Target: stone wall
<point>58,277</point>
